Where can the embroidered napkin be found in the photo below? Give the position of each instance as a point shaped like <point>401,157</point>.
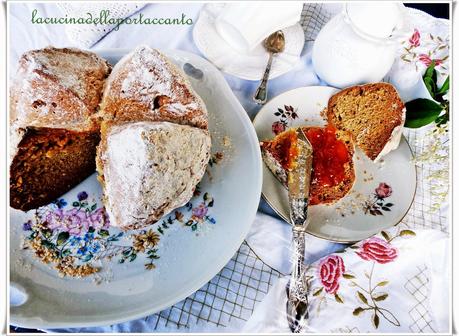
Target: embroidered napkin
<point>396,281</point>
<point>86,35</point>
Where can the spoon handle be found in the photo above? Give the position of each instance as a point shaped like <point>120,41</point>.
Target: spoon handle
<point>261,94</point>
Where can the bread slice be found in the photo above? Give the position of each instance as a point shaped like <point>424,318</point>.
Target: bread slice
<point>145,85</point>
<point>48,163</point>
<point>333,169</point>
<point>147,169</point>
<point>54,98</point>
<point>373,113</point>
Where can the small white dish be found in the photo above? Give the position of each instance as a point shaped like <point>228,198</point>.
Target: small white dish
<point>361,213</point>
<point>245,65</point>
<point>194,245</point>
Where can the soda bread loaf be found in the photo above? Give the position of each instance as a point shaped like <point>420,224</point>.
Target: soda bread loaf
<point>333,169</point>
<point>373,113</point>
<point>154,141</point>
<point>53,100</point>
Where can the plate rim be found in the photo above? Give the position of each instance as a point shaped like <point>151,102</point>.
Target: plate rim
<point>251,133</point>
<point>285,219</point>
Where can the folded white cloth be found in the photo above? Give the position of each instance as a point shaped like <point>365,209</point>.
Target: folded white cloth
<point>86,35</point>
<point>395,282</point>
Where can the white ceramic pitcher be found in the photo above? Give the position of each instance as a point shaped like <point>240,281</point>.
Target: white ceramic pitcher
<point>358,45</point>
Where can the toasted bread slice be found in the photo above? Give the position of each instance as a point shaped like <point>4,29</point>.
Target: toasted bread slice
<point>373,113</point>
<point>333,170</point>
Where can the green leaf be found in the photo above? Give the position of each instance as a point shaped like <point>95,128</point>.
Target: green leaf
<point>348,276</point>
<point>93,207</point>
<point>133,256</point>
<point>385,235</point>
<point>47,244</point>
<point>430,79</point>
<point>407,233</point>
<point>317,292</point>
<point>76,204</point>
<point>103,233</point>
<point>444,88</point>
<point>362,297</point>
<point>382,283</point>
<point>91,229</point>
<point>66,252</point>
<point>376,320</point>
<point>62,238</point>
<point>421,112</point>
<point>338,298</point>
<point>357,311</point>
<point>381,297</point>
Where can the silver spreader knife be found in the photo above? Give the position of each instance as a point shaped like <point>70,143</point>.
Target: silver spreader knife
<point>299,178</point>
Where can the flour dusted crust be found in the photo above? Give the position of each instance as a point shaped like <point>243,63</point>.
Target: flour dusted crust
<point>150,168</point>
<point>145,85</point>
<point>58,88</point>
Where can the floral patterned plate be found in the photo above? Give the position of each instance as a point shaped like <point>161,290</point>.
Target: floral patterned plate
<point>69,268</point>
<point>382,193</point>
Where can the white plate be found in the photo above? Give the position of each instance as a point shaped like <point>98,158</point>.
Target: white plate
<point>250,65</point>
<point>327,221</point>
<point>223,213</point>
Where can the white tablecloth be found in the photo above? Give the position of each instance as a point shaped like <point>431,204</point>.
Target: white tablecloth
<point>25,36</point>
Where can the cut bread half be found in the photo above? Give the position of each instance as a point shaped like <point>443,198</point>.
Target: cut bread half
<point>333,170</point>
<point>373,113</point>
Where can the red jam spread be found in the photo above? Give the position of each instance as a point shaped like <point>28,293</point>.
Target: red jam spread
<point>284,148</point>
<point>329,156</point>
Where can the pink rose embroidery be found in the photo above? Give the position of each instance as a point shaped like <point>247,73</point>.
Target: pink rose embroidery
<point>383,190</point>
<point>378,250</point>
<point>330,271</point>
<point>415,38</point>
<point>427,60</point>
<point>278,127</point>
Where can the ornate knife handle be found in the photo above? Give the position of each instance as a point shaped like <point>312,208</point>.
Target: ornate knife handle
<point>297,302</point>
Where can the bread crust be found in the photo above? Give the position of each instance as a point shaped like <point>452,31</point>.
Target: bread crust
<point>58,88</point>
<point>145,85</point>
<point>370,112</point>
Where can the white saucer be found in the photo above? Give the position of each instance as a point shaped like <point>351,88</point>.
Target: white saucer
<point>251,65</point>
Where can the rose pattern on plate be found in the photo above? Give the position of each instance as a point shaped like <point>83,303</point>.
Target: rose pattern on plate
<point>286,116</point>
<point>73,238</point>
<point>193,216</point>
<point>377,204</point>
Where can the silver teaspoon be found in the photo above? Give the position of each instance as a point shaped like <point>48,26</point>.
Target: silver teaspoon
<point>274,43</point>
